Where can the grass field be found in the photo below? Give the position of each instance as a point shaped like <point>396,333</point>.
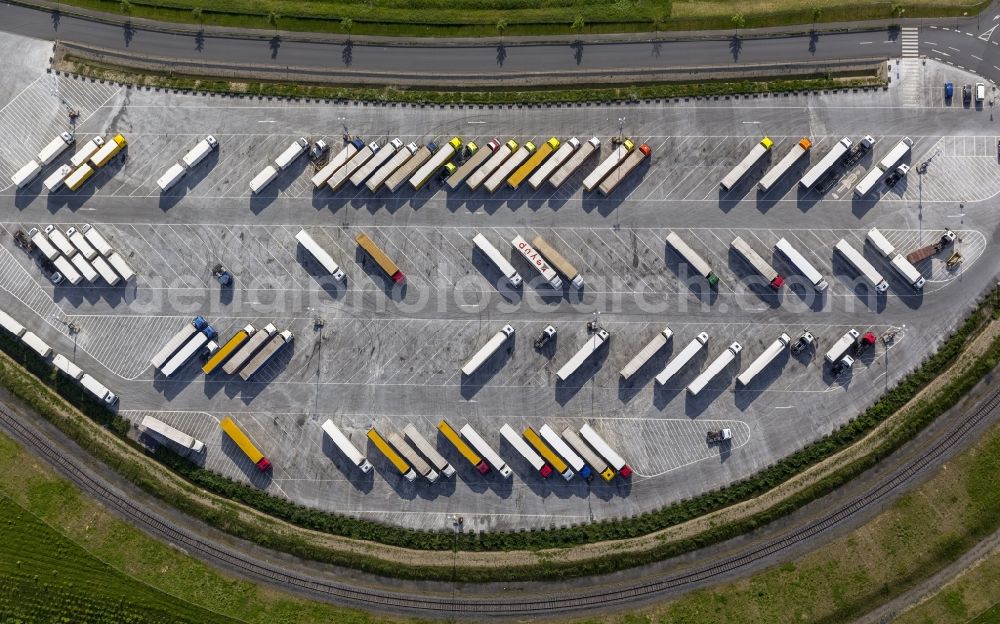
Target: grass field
<point>461,18</point>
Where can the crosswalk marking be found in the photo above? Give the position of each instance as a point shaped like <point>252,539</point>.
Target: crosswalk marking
<point>910,42</point>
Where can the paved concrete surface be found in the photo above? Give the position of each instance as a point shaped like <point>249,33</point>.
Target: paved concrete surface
<point>385,357</point>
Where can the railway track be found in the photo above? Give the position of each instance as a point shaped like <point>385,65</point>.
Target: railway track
<point>507,606</point>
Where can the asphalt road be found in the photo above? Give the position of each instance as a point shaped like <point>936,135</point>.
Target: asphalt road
<point>972,46</point>
<point>486,59</point>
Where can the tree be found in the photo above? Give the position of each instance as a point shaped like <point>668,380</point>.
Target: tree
<point>196,14</point>
<point>272,19</point>
<point>347,25</point>
<point>898,10</point>
<point>125,7</point>
<point>817,14</point>
<point>739,21</point>
<point>501,25</point>
<point>658,21</point>
<point>578,24</point>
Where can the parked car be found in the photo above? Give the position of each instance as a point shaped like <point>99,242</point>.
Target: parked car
<point>967,94</point>
<point>980,92</point>
<point>949,90</point>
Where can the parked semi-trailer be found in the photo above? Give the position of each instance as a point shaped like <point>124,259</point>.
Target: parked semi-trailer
<point>908,272</point>
<point>105,271</point>
<point>198,153</point>
<point>861,265</point>
<point>108,151</point>
<point>262,179</point>
<point>498,259</point>
<point>403,154</point>
<point>558,261</point>
<point>23,176</point>
<point>613,160</point>
<point>547,168</point>
<point>66,367</point>
<point>463,448</point>
<point>86,150</point>
<point>410,455</point>
<point>80,175</point>
<point>320,255</point>
<point>604,450</point>
<point>593,146</point>
<point>628,165</point>
<point>291,153</point>
<point>265,354</point>
<point>405,171</point>
<point>178,340</point>
<point>171,177</point>
<point>236,435</point>
<point>521,173</point>
<point>749,161</point>
<point>336,162</point>
<point>784,165</point>
<point>79,241</point>
<point>592,459</point>
<point>484,449</point>
<point>228,349</point>
<point>161,430</point>
<point>243,355</point>
<point>427,450</point>
<point>682,359</point>
<point>378,159</point>
<point>524,450</point>
<point>60,241</point>
<point>435,163</point>
<point>36,344</point>
<point>803,266</point>
<point>99,390</point>
<point>11,325</point>
<point>492,164</point>
<point>693,259</point>
<point>536,260</point>
<point>188,351</point>
<point>927,251</point>
<point>888,162</point>
<point>55,147</point>
<point>583,354</point>
<point>713,369</point>
<point>94,238</point>
<point>760,265</point>
<point>56,179</point>
<point>842,347</point>
<point>762,360</point>
<point>659,341</point>
<point>508,166</point>
<point>81,265</point>
<point>363,155</point>
<point>388,266</point>
<point>478,157</point>
<point>557,463</point>
<point>42,244</point>
<point>880,243</point>
<point>488,349</point>
<point>831,159</point>
<point>563,450</point>
<point>346,447</point>
<point>68,271</point>
<point>115,259</point>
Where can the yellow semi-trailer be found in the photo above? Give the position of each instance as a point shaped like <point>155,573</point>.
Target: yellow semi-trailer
<point>492,164</point>
<point>533,163</point>
<point>76,179</point>
<point>547,453</point>
<point>478,157</point>
<point>390,453</point>
<point>549,167</point>
<point>104,155</point>
<point>593,146</point>
<point>383,261</point>
<point>602,170</point>
<point>516,159</point>
<point>435,163</point>
<point>228,349</point>
<point>410,454</point>
<point>236,435</point>
<point>463,449</point>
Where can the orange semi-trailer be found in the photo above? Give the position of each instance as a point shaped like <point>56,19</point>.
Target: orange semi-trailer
<point>388,266</point>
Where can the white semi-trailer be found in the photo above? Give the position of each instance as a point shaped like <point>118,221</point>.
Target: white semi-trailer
<point>67,270</point>
<point>248,349</point>
<point>842,347</point>
<point>908,272</point>
<point>178,340</point>
<point>105,271</point>
<point>889,161</point>
<point>291,153</point>
<point>762,360</point>
<point>607,165</point>
<point>763,267</point>
<point>486,451</point>
<point>880,243</point>
<point>42,244</point>
<point>198,153</point>
<point>744,166</point>
<point>525,450</point>
<point>659,341</point>
<point>498,259</point>
<point>412,456</point>
<point>96,239</point>
<point>81,265</point>
<point>402,175</point>
<point>488,349</point>
<point>502,172</point>
<point>561,155</point>
<point>776,172</point>
<point>682,359</point>
<point>377,160</point>
<point>190,348</point>
<point>492,164</point>
<point>24,176</point>
<point>161,430</point>
<point>55,147</point>
<point>262,179</point>
<point>713,369</point>
<point>115,259</point>
<point>603,449</point>
<point>428,450</point>
<point>36,344</point>
<point>559,446</point>
<point>336,162</point>
<point>66,367</point>
<point>803,266</point>
<point>57,177</point>
<point>693,259</point>
<point>538,261</point>
<point>60,241</point>
<point>86,150</point>
<point>591,147</point>
<point>820,169</point>
<point>346,447</point>
<point>11,325</point>
<point>99,390</point>
<point>320,255</point>
<point>856,259</point>
<point>80,242</point>
<point>434,164</point>
<point>593,460</point>
<point>377,181</point>
<point>589,347</point>
<point>171,177</point>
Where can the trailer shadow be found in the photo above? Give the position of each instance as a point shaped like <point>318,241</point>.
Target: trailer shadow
<point>745,395</point>
<point>663,395</point>
<point>334,288</point>
<point>753,282</point>
<point>627,390</point>
<point>259,479</point>
<point>286,177</point>
<point>566,390</point>
<point>866,293</point>
<point>482,263</point>
<point>392,290</point>
<point>407,490</point>
<point>363,482</point>
<point>472,384</point>
<point>695,405</point>
<point>767,199</point>
<point>705,292</point>
<point>179,381</point>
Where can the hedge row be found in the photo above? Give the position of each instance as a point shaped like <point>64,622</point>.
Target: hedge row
<point>225,517</point>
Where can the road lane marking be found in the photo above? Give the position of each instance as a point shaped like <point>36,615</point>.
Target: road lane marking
<point>975,57</point>
<point>940,52</point>
<point>955,49</point>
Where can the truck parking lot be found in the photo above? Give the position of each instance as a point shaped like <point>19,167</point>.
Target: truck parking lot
<point>368,352</point>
